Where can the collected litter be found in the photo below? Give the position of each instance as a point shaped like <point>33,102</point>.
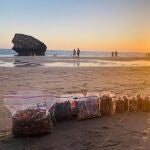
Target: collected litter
<point>126,102</point>
<point>62,111</point>
<point>145,106</point>
<point>88,108</point>
<point>120,105</point>
<point>36,113</point>
<point>140,100</point>
<point>31,122</point>
<point>133,104</point>
<point>107,105</point>
<point>30,113</point>
<point>73,100</point>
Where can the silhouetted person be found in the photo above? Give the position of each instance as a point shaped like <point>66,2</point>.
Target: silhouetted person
<point>116,54</point>
<point>78,52</point>
<point>74,54</point>
<point>112,54</point>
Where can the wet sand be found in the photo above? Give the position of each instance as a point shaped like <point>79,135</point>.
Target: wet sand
<point>119,132</point>
<point>46,61</point>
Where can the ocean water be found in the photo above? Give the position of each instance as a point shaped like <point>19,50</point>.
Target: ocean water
<point>65,62</point>
<point>67,53</point>
<point>18,62</point>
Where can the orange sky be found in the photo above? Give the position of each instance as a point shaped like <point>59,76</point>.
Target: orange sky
<point>122,25</point>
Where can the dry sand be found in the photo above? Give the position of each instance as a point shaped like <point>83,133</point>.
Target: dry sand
<point>129,131</point>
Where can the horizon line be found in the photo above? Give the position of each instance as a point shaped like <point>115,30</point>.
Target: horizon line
<point>122,51</point>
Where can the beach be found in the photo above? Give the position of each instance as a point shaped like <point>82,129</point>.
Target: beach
<point>119,132</point>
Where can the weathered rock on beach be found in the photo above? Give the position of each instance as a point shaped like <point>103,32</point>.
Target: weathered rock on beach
<point>26,45</point>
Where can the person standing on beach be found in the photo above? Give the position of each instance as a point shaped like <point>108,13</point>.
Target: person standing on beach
<point>112,54</point>
<point>74,54</point>
<point>116,54</point>
<point>78,52</point>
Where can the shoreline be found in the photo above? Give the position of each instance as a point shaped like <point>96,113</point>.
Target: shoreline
<point>71,58</point>
<point>46,61</point>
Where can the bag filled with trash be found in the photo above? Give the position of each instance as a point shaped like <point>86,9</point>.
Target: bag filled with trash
<point>30,113</point>
<point>107,104</point>
<point>126,102</point>
<point>145,106</point>
<point>133,104</point>
<point>120,107</point>
<point>88,108</point>
<point>73,100</point>
<point>140,100</point>
<point>62,111</point>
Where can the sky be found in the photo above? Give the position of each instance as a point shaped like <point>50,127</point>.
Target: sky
<point>122,25</point>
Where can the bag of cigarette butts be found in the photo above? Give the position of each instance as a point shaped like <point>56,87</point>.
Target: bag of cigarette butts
<point>30,115</point>
<point>73,99</point>
<point>133,104</point>
<point>88,108</point>
<point>62,111</point>
<point>126,102</point>
<point>145,107</point>
<point>120,105</point>
<point>140,100</point>
<point>107,104</point>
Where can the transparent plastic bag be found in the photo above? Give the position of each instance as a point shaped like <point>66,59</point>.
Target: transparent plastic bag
<point>126,99</point>
<point>73,100</point>
<point>88,108</point>
<point>140,101</point>
<point>133,104</point>
<point>120,107</point>
<point>30,113</point>
<point>145,106</point>
<point>62,111</point>
<point>107,103</point>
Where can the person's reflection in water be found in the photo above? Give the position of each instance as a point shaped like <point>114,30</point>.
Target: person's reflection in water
<point>74,63</point>
<point>78,63</point>
<point>22,63</point>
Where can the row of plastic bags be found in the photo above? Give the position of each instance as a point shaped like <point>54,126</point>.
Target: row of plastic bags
<point>37,113</point>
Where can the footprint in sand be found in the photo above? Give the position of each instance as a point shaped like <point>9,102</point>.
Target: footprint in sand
<point>95,133</point>
<point>144,133</point>
<point>105,128</point>
<point>110,144</point>
<point>135,133</point>
<point>119,125</point>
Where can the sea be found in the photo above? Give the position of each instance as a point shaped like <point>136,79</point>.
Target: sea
<point>68,53</point>
<point>19,62</point>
